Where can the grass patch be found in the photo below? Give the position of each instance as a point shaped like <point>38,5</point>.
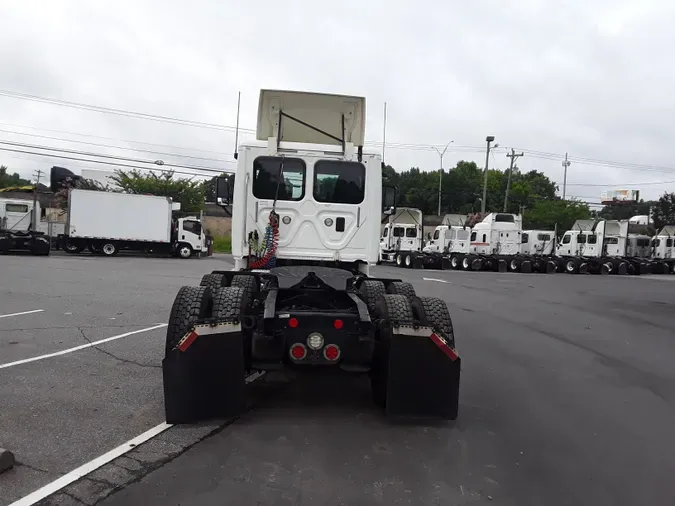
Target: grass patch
<point>222,244</point>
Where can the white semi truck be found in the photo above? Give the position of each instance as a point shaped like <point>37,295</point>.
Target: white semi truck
<point>20,228</point>
<point>108,222</point>
<point>306,218</point>
<point>402,237</point>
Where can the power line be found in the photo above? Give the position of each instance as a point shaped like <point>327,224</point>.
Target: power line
<point>152,169</point>
<point>111,157</point>
<point>394,145</point>
<point>219,160</point>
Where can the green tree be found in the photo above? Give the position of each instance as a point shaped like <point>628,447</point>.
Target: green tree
<point>14,179</point>
<point>188,192</point>
<point>664,211</point>
<point>545,214</point>
<point>626,211</point>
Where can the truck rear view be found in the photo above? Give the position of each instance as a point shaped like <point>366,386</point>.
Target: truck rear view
<point>306,221</point>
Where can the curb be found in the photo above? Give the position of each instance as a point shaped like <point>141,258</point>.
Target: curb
<point>6,460</point>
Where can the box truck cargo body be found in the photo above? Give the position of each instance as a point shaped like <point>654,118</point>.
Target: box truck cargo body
<point>107,222</point>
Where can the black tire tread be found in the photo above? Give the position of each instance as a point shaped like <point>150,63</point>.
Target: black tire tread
<point>230,302</point>
<point>191,304</point>
<point>396,308</point>
<point>372,290</point>
<point>402,288</point>
<point>248,283</point>
<point>438,316</point>
<point>213,281</point>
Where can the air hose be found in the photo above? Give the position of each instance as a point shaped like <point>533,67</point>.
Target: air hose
<point>269,259</point>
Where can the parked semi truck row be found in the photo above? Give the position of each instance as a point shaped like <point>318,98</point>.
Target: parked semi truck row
<point>499,243</point>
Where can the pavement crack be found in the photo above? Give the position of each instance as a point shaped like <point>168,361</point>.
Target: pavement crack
<point>112,355</point>
<point>76,499</point>
<point>32,468</point>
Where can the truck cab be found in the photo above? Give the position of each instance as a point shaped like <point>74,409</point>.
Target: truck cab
<point>17,214</point>
<point>663,244</point>
<point>497,234</point>
<point>594,239</point>
<point>189,231</point>
<point>537,242</point>
<point>302,194</point>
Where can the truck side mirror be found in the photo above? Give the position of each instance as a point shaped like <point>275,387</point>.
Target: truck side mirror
<point>388,199</point>
<point>224,189</point>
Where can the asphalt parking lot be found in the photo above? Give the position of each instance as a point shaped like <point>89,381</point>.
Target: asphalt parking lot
<point>567,397</point>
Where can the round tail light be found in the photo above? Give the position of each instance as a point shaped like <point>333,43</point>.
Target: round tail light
<point>298,351</point>
<point>331,352</point>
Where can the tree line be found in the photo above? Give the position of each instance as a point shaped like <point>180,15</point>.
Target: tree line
<point>531,194</point>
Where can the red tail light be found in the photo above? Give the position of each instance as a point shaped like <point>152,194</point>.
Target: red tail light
<point>293,323</point>
<point>331,352</point>
<point>298,351</point>
<point>338,324</point>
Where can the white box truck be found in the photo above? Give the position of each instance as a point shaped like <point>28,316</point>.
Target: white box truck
<point>107,222</point>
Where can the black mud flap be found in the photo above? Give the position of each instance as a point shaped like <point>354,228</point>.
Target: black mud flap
<point>445,264</point>
<point>551,267</point>
<point>526,267</point>
<point>502,265</point>
<point>418,262</point>
<point>206,380</point>
<point>423,377</point>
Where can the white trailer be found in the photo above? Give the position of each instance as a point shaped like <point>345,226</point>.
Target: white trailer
<point>20,227</point>
<point>107,222</point>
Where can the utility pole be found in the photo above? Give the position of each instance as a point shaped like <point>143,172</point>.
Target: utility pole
<point>488,139</point>
<point>440,174</point>
<point>565,164</point>
<point>513,156</point>
<point>37,174</point>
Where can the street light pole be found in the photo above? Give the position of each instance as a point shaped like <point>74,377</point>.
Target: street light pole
<point>565,164</point>
<point>440,174</point>
<point>488,139</point>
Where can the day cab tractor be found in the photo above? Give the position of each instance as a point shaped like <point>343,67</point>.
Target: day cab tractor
<point>306,207</point>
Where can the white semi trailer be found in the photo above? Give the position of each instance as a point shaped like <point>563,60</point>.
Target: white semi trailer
<point>108,222</point>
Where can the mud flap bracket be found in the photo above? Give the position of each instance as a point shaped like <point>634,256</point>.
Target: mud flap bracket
<point>204,375</point>
<point>422,375</point>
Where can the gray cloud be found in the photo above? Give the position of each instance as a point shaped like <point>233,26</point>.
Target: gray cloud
<point>592,79</point>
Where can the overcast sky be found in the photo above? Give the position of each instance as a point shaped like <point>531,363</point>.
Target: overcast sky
<point>592,78</point>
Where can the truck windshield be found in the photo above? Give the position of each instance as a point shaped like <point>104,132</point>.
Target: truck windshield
<point>266,175</point>
<point>338,182</point>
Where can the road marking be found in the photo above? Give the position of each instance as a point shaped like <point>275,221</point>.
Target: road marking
<point>435,279</point>
<point>93,465</point>
<point>81,347</point>
<point>19,314</point>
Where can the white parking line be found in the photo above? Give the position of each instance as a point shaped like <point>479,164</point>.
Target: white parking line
<point>24,312</point>
<point>437,280</point>
<point>93,465</point>
<point>81,347</point>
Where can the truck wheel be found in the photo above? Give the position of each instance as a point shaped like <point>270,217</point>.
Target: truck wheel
<point>408,261</point>
<point>40,247</point>
<point>248,283</point>
<point>454,262</point>
<point>371,291</point>
<point>514,265</point>
<point>191,304</point>
<point>466,263</point>
<point>395,308</point>
<point>72,248</point>
<point>212,280</point>
<point>571,266</point>
<point>230,302</point>
<point>402,288</point>
<point>434,312</point>
<point>399,260</point>
<point>109,249</point>
<point>184,250</point>
<point>95,249</point>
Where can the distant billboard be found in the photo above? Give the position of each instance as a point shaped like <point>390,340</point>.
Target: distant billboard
<point>620,196</point>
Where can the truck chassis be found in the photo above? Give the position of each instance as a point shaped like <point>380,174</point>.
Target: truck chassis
<point>36,243</point>
<point>303,317</point>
